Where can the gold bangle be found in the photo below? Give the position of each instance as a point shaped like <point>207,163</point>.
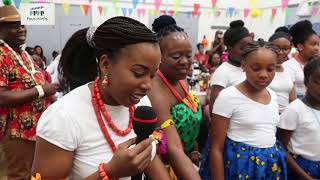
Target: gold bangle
<point>167,123</point>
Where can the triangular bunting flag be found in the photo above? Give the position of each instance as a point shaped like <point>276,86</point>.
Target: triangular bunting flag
<point>105,10</point>
<point>230,11</point>
<point>246,12</point>
<point>17,3</point>
<point>218,13</point>
<point>273,12</point>
<point>314,10</point>
<point>157,4</point>
<point>100,9</point>
<point>84,9</point>
<point>284,4</point>
<point>135,3</point>
<point>287,12</point>
<point>214,3</point>
<point>114,2</point>
<point>130,10</point>
<point>171,12</point>
<point>163,12</point>
<point>90,1</point>
<point>141,12</point>
<point>66,8</point>
<point>116,10</point>
<point>124,11</point>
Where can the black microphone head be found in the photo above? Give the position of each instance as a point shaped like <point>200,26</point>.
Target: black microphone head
<point>144,122</point>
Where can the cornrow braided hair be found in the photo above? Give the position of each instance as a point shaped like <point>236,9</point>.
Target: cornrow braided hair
<point>79,60</point>
<point>256,45</point>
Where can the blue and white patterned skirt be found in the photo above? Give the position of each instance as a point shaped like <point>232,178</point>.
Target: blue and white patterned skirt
<point>310,167</point>
<point>243,161</point>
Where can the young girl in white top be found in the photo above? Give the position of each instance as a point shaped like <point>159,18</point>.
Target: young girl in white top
<point>244,122</point>
<point>299,128</point>
<point>306,40</point>
<point>282,83</point>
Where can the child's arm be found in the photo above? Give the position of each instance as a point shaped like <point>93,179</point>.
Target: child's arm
<point>284,136</point>
<point>219,126</point>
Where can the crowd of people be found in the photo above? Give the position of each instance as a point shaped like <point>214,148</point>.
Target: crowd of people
<point>72,118</point>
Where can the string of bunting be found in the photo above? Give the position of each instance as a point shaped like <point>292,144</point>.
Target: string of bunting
<point>197,11</point>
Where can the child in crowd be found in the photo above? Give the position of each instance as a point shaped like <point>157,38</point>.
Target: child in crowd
<point>299,128</point>
<point>244,122</point>
<point>282,83</point>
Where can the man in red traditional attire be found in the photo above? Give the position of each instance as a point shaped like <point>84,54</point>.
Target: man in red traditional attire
<point>24,95</point>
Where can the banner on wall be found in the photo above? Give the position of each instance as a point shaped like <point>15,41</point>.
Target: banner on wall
<point>37,13</point>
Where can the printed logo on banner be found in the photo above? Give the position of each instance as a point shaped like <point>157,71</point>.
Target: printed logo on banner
<point>37,14</point>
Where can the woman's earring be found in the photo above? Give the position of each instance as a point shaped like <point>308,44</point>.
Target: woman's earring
<point>105,81</point>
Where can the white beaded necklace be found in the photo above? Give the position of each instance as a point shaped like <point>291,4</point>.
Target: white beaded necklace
<point>20,61</point>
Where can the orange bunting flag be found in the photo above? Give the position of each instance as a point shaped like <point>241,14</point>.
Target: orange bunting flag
<point>84,9</point>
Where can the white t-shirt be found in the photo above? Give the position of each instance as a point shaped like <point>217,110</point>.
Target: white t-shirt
<point>296,71</point>
<point>282,85</point>
<point>305,124</point>
<point>251,122</point>
<point>71,124</point>
<point>227,75</point>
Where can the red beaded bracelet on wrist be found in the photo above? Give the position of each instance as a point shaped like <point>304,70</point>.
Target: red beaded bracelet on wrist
<point>102,172</point>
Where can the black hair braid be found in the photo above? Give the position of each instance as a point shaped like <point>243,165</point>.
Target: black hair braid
<point>256,45</point>
<point>164,25</point>
<point>78,63</point>
<point>76,68</point>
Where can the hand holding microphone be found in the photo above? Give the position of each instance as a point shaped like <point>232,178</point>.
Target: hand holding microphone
<point>144,123</point>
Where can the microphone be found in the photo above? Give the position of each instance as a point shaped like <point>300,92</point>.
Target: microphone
<point>144,122</point>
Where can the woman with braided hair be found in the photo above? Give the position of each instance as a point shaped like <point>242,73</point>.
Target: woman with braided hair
<point>243,144</point>
<point>178,112</point>
<point>88,132</point>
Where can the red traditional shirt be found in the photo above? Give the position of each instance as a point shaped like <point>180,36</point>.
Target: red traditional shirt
<point>22,118</point>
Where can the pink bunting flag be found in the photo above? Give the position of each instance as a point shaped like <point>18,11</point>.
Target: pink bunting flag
<point>273,12</point>
<point>246,12</point>
<point>141,12</point>
<point>171,12</point>
<point>100,8</point>
<point>284,4</point>
<point>195,11</point>
<point>157,4</point>
<point>218,13</point>
<point>214,3</point>
<point>314,10</point>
